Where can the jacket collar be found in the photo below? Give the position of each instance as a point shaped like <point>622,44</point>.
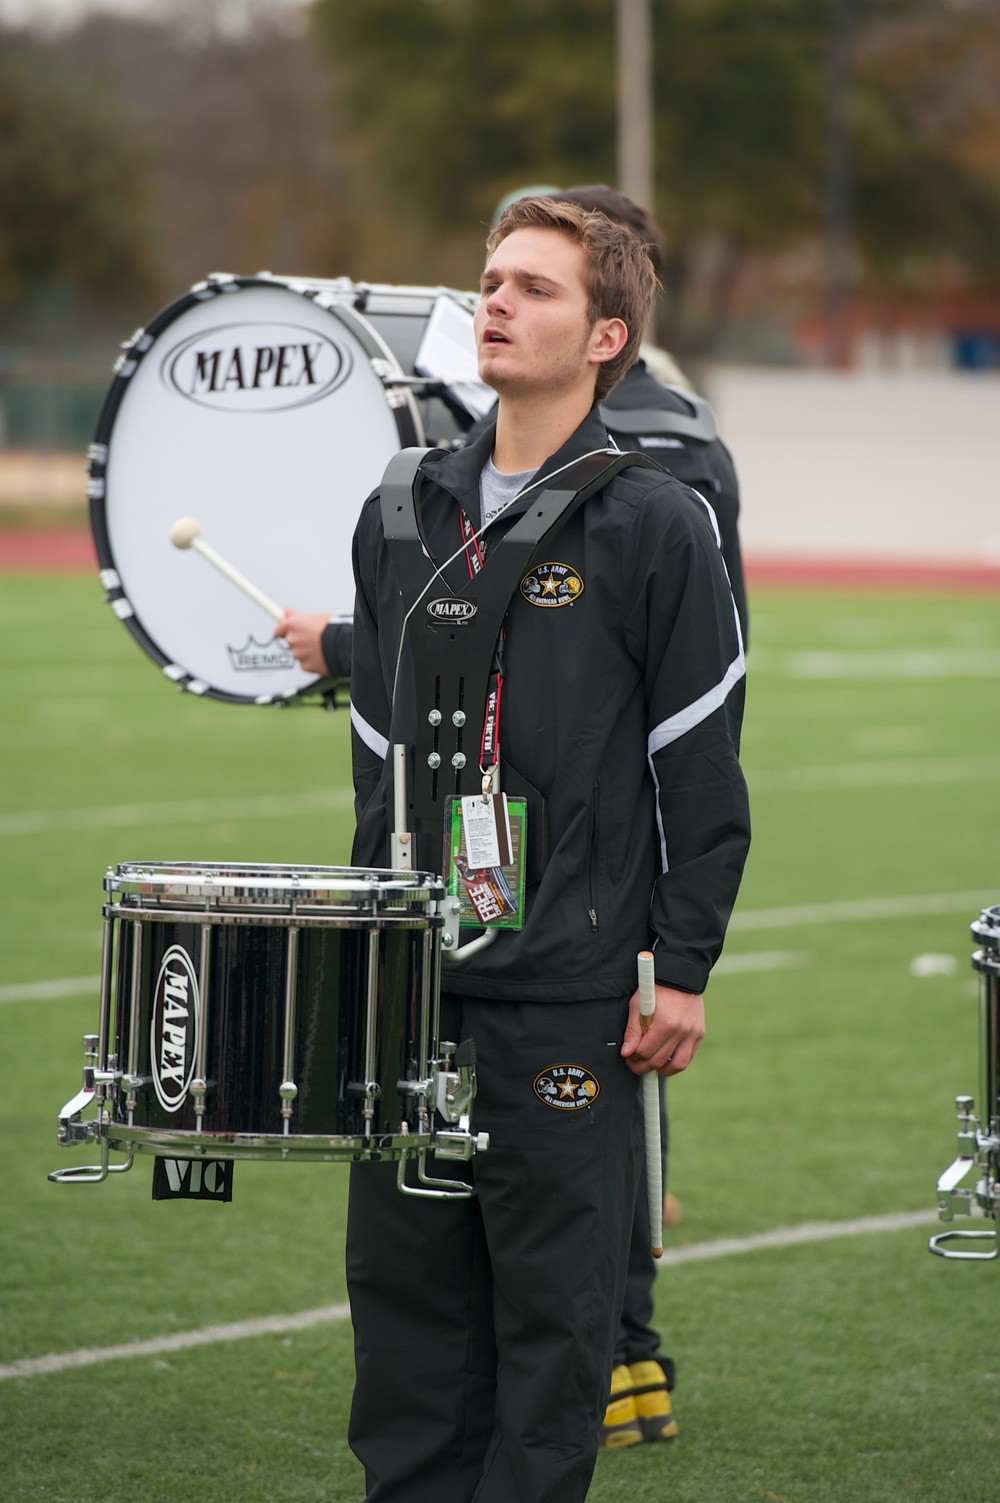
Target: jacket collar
<point>459,472</point>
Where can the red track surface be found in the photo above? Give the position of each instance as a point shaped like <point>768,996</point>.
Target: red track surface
<point>71,551</point>
<point>870,574</point>
<point>63,550</point>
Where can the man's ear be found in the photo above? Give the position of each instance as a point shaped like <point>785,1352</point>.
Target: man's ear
<point>609,337</point>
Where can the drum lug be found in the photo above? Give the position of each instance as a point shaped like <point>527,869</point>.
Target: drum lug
<point>288,1091</point>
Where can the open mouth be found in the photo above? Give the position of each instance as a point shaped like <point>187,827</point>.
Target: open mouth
<point>493,336</point>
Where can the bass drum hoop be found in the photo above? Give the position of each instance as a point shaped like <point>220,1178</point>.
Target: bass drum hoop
<point>403,408</point>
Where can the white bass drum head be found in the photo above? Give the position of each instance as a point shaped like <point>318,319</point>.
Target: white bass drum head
<point>268,418</point>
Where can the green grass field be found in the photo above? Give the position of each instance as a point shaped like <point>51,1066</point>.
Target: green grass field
<point>850,1371</point>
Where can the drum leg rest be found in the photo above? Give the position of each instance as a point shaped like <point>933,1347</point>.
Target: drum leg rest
<point>91,1174</point>
<point>935,1245</point>
<point>445,1189</point>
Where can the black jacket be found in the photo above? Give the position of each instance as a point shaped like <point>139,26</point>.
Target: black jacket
<point>682,445</point>
<point>704,463</point>
<point>622,707</point>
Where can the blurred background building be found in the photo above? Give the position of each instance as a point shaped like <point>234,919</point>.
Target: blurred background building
<point>827,173</point>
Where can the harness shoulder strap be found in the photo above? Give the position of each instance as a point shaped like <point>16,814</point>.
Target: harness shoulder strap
<point>439,713</point>
<point>400,516</point>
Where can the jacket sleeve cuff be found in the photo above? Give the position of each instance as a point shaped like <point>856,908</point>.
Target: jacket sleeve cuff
<point>675,971</point>
<point>335,645</point>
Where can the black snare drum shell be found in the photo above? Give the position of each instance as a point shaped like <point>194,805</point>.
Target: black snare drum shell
<point>242,1018</point>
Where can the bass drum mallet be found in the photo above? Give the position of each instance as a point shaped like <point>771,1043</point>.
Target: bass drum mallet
<point>651,1109</point>
<point>186,533</point>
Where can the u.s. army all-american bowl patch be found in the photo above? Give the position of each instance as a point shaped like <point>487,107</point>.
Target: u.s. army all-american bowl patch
<point>551,584</point>
<point>567,1088</point>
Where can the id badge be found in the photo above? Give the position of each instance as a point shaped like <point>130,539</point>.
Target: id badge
<point>491,891</point>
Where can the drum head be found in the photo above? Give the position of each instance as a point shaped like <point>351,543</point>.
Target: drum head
<point>255,409</point>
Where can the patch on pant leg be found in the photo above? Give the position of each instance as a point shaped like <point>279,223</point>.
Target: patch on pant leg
<point>567,1088</point>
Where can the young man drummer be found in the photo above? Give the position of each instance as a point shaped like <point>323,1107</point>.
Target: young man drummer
<point>485,1327</point>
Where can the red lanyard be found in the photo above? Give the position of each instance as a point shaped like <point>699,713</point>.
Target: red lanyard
<point>489,751</point>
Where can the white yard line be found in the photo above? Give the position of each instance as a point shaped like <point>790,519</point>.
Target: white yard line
<point>854,909</point>
<point>42,991</point>
<point>181,811</point>
<point>793,1236</point>
<point>180,1341</point>
<point>269,1325</point>
<point>760,960</point>
<point>889,774</point>
<point>946,662</point>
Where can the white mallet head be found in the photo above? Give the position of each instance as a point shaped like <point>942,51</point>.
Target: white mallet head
<point>184,532</point>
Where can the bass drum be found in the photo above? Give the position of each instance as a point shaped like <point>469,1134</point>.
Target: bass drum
<point>267,409</point>
<point>430,332</point>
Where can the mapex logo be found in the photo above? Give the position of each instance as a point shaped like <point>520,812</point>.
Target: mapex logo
<point>452,610</point>
<point>173,1041</point>
<point>256,367</point>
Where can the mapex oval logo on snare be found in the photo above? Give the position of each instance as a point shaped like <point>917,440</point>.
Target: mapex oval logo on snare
<point>174,1028</point>
<point>451,610</point>
<point>256,367</point>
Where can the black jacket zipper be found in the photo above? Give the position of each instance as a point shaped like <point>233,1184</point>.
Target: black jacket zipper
<point>595,824</point>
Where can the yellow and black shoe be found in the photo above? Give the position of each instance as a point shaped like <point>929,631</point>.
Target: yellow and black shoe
<point>621,1425</point>
<point>648,1387</point>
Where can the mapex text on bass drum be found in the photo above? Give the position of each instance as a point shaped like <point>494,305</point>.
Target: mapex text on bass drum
<point>267,408</point>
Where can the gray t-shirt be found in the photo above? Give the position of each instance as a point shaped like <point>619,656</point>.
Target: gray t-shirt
<point>497,490</point>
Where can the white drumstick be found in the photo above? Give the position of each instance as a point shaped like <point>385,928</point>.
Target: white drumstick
<point>651,1109</point>
<point>186,533</point>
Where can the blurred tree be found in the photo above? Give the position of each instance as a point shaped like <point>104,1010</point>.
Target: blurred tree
<point>457,101</point>
<point>928,130</point>
<point>247,166</point>
<point>71,198</point>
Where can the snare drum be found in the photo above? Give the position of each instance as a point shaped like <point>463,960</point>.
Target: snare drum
<point>271,1012</point>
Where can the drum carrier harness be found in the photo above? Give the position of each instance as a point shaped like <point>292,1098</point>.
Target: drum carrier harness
<point>455,643</point>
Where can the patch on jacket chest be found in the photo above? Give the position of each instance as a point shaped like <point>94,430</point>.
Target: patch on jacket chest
<point>567,1088</point>
<point>551,584</point>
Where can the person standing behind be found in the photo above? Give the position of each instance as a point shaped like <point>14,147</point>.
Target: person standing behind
<point>678,430</point>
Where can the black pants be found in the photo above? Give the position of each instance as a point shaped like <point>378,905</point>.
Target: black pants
<point>485,1328</point>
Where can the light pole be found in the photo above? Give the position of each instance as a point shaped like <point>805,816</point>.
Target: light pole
<point>839,183</point>
<point>635,100</point>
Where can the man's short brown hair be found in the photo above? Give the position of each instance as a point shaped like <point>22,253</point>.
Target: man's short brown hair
<point>620,279</point>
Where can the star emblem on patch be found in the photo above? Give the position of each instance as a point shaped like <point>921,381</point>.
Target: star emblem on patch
<point>566,1088</point>
<point>552,584</point>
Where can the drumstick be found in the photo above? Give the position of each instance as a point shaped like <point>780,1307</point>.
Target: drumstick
<point>651,1109</point>
<point>186,533</point>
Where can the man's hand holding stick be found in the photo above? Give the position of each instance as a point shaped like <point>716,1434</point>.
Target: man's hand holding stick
<point>664,1031</point>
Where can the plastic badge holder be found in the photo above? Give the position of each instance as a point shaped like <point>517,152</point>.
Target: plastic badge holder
<point>492,898</point>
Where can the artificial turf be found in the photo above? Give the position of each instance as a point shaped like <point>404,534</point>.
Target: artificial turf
<point>855,1370</point>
